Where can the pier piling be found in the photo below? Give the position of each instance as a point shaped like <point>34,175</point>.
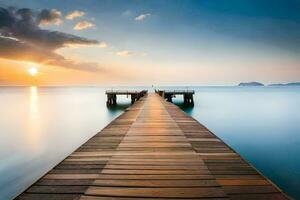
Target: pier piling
<point>169,94</point>
<point>134,95</point>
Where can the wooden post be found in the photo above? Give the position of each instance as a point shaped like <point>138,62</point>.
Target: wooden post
<point>188,99</point>
<point>192,100</point>
<point>108,102</point>
<point>114,100</point>
<point>111,100</point>
<point>168,97</point>
<point>133,97</point>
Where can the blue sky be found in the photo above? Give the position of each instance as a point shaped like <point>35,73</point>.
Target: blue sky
<point>183,42</point>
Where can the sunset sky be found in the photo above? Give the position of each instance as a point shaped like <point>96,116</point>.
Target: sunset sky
<point>160,42</point>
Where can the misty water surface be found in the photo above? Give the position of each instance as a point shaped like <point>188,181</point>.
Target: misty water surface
<point>41,126</point>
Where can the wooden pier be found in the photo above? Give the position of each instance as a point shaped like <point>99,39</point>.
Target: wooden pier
<point>153,151</point>
<point>169,94</point>
<point>112,95</point>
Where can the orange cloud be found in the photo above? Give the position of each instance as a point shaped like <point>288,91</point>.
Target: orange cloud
<point>83,25</point>
<point>74,14</point>
<point>124,53</point>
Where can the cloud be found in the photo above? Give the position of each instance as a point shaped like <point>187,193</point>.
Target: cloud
<point>124,53</point>
<point>11,48</point>
<point>142,17</point>
<point>83,25</point>
<point>24,25</point>
<point>74,14</point>
<point>84,66</point>
<point>17,50</point>
<point>21,38</point>
<point>100,45</point>
<point>49,17</point>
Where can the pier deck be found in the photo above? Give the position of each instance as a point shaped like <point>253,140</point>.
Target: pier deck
<point>154,151</point>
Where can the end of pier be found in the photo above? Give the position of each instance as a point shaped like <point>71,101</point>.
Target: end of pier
<point>169,94</point>
<point>112,95</point>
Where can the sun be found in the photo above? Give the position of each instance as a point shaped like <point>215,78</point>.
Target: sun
<point>32,71</point>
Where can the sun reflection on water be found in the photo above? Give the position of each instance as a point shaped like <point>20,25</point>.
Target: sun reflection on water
<point>33,102</point>
<point>33,119</point>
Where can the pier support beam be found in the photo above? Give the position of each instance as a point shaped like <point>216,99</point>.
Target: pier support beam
<point>168,97</point>
<point>133,98</point>
<point>188,99</point>
<point>111,100</point>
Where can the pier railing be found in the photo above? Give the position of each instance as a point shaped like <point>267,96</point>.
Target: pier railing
<point>180,91</point>
<point>125,92</point>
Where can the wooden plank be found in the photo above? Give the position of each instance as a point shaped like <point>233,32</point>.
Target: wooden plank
<point>243,182</point>
<point>50,189</point>
<point>85,197</point>
<point>250,189</point>
<point>71,176</point>
<point>276,196</point>
<point>158,167</point>
<point>156,192</point>
<point>155,163</point>
<point>154,177</point>
<point>69,182</point>
<point>156,183</point>
<point>26,196</point>
<point>188,172</point>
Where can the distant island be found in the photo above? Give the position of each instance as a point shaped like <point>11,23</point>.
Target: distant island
<point>286,84</point>
<point>274,84</point>
<point>251,84</point>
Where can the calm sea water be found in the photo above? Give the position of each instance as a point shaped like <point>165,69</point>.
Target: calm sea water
<point>41,126</point>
